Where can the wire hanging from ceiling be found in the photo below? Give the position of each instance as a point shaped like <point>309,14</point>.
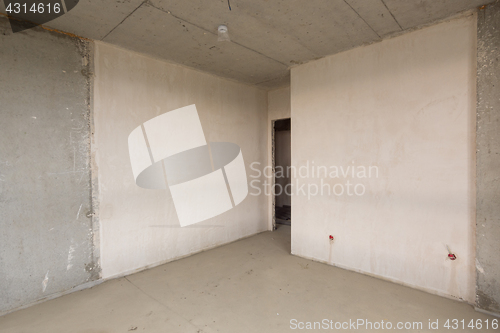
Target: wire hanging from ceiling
<point>229,4</point>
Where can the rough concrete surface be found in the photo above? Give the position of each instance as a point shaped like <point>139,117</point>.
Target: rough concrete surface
<point>46,238</point>
<point>411,14</point>
<point>253,285</point>
<point>488,159</point>
<point>267,37</point>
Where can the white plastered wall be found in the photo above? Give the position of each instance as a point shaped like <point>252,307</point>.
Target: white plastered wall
<point>139,227</point>
<point>407,106</point>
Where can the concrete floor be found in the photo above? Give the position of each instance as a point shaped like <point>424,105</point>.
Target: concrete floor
<point>253,285</point>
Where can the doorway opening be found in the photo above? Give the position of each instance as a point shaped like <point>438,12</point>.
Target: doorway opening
<point>282,202</point>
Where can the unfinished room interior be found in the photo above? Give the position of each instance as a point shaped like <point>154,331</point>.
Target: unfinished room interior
<point>240,166</point>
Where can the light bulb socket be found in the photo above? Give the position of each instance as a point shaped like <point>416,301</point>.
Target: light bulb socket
<point>222,35</point>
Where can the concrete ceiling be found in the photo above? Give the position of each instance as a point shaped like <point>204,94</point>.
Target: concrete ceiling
<point>267,36</point>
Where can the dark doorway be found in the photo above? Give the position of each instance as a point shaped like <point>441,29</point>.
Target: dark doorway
<point>282,163</point>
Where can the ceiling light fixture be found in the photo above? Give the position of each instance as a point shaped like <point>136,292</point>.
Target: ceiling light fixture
<point>223,36</point>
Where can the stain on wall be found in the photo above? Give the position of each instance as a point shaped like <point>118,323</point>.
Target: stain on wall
<point>488,159</point>
<point>46,218</point>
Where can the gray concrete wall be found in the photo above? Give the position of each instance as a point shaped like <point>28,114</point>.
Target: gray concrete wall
<point>46,227</point>
<point>488,159</point>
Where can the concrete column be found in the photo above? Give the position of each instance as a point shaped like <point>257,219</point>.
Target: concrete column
<point>488,159</point>
<point>47,228</point>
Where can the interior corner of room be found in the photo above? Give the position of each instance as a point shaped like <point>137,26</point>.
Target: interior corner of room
<point>370,166</point>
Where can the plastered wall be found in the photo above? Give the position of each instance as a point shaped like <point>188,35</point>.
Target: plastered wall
<point>139,227</point>
<point>407,106</point>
